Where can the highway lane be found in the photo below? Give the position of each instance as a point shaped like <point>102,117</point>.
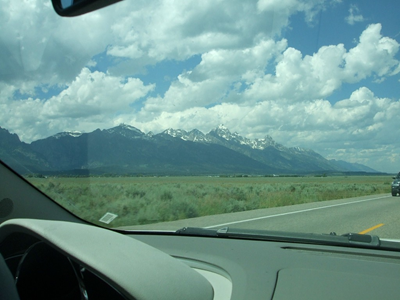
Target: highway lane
<point>377,214</point>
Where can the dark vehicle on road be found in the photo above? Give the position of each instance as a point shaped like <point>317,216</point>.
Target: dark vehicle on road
<point>396,185</point>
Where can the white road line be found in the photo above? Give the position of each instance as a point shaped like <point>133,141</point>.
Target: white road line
<point>294,212</point>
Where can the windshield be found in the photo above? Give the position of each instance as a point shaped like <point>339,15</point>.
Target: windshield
<point>271,115</point>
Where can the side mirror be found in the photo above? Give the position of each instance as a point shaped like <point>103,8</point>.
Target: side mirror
<point>73,8</point>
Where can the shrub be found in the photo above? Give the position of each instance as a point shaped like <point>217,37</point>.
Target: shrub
<point>143,200</point>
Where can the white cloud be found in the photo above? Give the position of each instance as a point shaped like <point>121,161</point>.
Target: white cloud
<point>89,102</point>
<point>179,30</point>
<point>318,76</point>
<point>373,54</point>
<point>354,15</point>
<point>95,93</point>
<point>144,32</point>
<point>211,81</point>
<point>36,48</point>
<point>281,10</point>
<point>363,113</point>
<point>238,75</point>
<point>301,78</point>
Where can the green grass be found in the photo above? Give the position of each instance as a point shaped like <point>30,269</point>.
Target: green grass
<point>143,200</point>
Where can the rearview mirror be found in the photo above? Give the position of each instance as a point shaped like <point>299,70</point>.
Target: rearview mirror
<point>72,8</point>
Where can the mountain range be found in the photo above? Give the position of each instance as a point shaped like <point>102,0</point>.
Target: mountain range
<point>125,149</point>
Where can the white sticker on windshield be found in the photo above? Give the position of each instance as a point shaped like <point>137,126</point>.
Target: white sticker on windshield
<point>108,218</point>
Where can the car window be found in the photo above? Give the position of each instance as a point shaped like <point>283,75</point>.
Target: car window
<point>165,114</point>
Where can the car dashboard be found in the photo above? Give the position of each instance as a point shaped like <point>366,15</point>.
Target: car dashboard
<point>66,260</point>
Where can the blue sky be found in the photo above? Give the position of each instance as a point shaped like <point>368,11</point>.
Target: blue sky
<point>330,28</point>
<point>317,74</point>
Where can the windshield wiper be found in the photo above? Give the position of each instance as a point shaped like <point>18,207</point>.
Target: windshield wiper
<point>348,239</point>
<point>197,231</point>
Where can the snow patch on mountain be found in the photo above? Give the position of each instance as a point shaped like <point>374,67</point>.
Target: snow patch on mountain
<point>126,130</point>
<point>220,134</point>
<point>129,127</point>
<point>192,136</point>
<point>177,133</point>
<point>67,133</point>
<point>259,144</point>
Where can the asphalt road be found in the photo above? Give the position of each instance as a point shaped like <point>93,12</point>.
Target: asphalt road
<point>377,215</point>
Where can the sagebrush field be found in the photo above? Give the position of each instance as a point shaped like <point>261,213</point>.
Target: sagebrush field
<point>143,200</point>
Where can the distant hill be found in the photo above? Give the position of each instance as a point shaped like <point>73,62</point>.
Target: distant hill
<point>19,155</point>
<point>127,150</point>
<point>351,167</point>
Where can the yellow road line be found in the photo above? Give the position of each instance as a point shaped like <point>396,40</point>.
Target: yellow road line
<point>372,228</point>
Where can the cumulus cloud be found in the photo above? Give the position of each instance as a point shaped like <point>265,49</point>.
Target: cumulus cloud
<point>35,43</point>
<point>373,54</point>
<point>87,103</point>
<point>134,33</point>
<point>179,30</point>
<point>281,10</point>
<point>211,81</point>
<point>93,93</point>
<point>318,76</point>
<point>354,15</point>
<point>238,75</point>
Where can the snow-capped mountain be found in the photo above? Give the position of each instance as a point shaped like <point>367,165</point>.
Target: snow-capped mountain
<point>222,134</point>
<point>192,136</point>
<point>126,130</point>
<point>126,149</point>
<point>122,129</point>
<point>266,150</point>
<point>260,144</point>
